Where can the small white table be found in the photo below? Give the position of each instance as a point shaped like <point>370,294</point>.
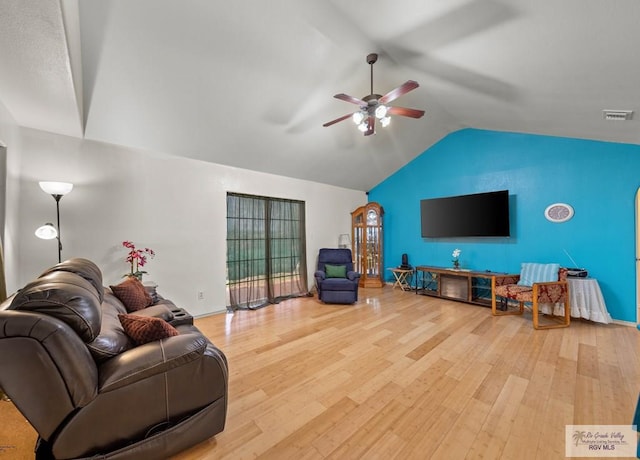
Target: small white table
<point>586,301</point>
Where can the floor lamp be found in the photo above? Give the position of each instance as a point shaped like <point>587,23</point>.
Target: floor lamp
<point>48,232</point>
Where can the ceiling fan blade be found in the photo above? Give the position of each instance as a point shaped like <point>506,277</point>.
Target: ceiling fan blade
<point>337,120</point>
<point>405,112</point>
<point>399,91</point>
<point>370,128</point>
<point>353,100</point>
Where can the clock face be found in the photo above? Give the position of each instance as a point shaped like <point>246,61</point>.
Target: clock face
<point>558,212</point>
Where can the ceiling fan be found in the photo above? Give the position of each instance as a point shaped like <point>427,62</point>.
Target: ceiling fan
<point>374,105</point>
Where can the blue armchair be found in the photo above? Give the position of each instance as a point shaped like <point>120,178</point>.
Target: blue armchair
<point>335,279</point>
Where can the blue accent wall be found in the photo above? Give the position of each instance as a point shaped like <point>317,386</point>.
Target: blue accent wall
<point>599,179</point>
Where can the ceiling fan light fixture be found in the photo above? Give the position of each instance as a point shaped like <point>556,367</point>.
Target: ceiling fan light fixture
<point>381,111</point>
<point>358,117</point>
<point>374,106</point>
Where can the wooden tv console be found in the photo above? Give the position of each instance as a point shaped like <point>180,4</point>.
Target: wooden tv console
<point>462,285</point>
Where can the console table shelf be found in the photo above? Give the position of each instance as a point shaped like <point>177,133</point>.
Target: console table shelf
<point>461,285</point>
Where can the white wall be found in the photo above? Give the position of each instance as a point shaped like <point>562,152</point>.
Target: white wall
<point>173,205</point>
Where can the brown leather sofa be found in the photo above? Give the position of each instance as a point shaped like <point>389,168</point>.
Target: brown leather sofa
<point>88,390</point>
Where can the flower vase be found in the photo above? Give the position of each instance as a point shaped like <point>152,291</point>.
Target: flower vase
<point>456,265</point>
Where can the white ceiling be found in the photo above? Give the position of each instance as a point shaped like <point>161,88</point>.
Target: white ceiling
<point>249,83</point>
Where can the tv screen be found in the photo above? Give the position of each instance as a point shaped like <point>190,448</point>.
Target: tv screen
<point>476,215</point>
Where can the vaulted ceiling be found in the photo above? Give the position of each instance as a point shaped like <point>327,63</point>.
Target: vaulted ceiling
<point>249,83</point>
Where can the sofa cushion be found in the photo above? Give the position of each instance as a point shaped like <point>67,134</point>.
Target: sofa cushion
<point>132,294</point>
<point>531,273</point>
<point>339,284</point>
<point>65,296</point>
<point>81,267</point>
<point>112,339</point>
<point>335,271</point>
<point>143,329</point>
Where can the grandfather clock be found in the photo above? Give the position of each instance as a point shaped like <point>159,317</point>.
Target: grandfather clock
<point>366,233</point>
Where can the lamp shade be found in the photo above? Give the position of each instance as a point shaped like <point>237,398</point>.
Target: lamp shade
<point>381,112</point>
<point>344,240</point>
<point>47,232</point>
<point>56,188</point>
<point>358,117</point>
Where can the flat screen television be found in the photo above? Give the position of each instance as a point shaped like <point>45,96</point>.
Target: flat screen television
<point>476,215</point>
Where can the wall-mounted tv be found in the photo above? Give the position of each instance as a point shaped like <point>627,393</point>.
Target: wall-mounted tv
<point>476,215</point>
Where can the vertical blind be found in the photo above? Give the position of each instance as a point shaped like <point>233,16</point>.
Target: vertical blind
<point>266,256</point>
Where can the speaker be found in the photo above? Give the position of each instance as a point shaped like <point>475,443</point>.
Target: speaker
<point>405,262</point>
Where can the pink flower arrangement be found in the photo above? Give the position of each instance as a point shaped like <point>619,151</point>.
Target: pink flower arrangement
<point>137,258</point>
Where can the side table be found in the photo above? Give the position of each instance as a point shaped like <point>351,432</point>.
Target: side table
<point>586,300</point>
<point>403,278</point>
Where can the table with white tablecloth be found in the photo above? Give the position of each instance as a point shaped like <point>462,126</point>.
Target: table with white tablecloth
<point>586,301</point>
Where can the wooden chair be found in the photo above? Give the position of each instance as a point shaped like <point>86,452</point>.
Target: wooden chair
<point>506,288</point>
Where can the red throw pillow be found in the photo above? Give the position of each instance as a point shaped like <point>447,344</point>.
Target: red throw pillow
<point>144,329</point>
<point>132,294</point>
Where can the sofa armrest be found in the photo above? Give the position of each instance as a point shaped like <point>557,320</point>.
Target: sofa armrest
<point>46,369</point>
<point>166,302</point>
<point>320,275</point>
<point>161,311</point>
<point>151,359</point>
<point>351,275</point>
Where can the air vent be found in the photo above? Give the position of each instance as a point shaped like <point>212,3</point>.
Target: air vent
<point>617,115</point>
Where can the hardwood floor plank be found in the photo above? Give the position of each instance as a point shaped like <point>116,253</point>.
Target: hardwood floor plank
<point>540,388</point>
<point>425,442</point>
<point>466,386</point>
<point>386,447</point>
<point>370,432</point>
<point>588,414</point>
<point>403,376</point>
<point>524,427</point>
<point>340,433</point>
<point>299,443</point>
<point>551,430</point>
<point>615,397</point>
<point>497,426</point>
<point>564,381</point>
<point>427,345</point>
<point>458,441</point>
<point>588,361</point>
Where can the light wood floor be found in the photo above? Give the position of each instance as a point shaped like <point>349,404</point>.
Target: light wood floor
<point>412,377</point>
<point>406,377</point>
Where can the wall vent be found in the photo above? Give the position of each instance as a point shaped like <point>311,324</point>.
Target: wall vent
<point>617,115</point>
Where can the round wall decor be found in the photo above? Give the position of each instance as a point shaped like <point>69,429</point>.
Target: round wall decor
<point>558,212</point>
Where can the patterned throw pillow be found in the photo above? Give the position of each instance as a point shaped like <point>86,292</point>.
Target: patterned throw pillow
<point>538,273</point>
<point>132,294</point>
<point>144,329</point>
<point>335,271</point>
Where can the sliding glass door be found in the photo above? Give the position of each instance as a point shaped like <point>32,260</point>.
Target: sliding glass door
<point>266,258</point>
